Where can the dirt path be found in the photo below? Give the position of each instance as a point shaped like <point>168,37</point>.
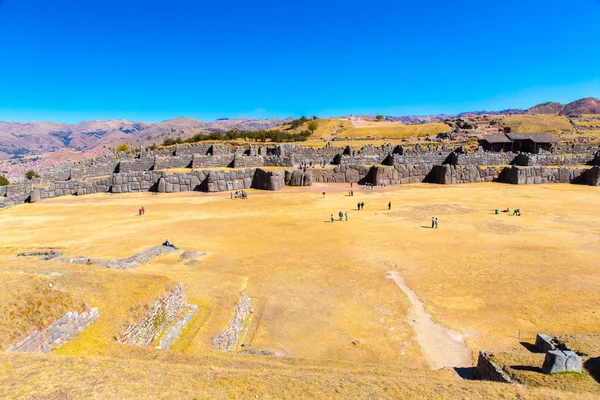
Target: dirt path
<point>442,347</point>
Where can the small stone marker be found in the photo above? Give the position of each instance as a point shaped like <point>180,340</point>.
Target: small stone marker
<point>561,361</point>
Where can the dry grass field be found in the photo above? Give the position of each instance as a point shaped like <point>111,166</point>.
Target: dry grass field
<point>319,286</point>
<point>554,124</point>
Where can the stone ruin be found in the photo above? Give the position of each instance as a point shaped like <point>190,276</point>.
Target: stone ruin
<point>58,333</point>
<point>169,315</point>
<point>216,168</point>
<point>229,338</point>
<point>559,358</point>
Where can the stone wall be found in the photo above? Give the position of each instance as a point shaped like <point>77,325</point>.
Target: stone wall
<point>57,334</point>
<point>538,175</point>
<point>162,313</point>
<point>228,339</point>
<point>455,174</point>
<point>488,371</point>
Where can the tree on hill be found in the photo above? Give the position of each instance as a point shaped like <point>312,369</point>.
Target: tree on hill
<point>315,117</point>
<point>4,181</point>
<point>122,148</point>
<point>31,174</point>
<point>379,117</point>
<point>313,125</point>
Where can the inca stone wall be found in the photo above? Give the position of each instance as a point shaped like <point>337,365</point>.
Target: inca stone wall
<point>174,331</point>
<point>163,312</point>
<point>57,334</point>
<point>488,371</point>
<point>228,339</point>
<point>384,164</point>
<point>539,175</point>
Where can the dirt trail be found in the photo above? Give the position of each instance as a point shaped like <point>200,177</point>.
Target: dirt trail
<point>442,347</point>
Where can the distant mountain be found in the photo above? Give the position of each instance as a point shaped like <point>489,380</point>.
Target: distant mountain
<point>545,108</point>
<point>414,119</point>
<point>589,105</point>
<point>18,139</point>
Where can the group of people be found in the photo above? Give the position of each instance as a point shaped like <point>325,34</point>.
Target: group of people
<point>341,216</point>
<point>516,212</point>
<point>239,194</point>
<point>350,192</point>
<point>305,166</point>
<point>141,211</point>
<point>361,205</point>
<point>369,186</point>
<point>434,222</point>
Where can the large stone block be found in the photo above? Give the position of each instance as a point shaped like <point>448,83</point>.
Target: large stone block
<point>544,343</point>
<point>561,361</point>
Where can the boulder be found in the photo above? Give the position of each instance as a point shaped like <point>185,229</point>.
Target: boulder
<point>561,361</point>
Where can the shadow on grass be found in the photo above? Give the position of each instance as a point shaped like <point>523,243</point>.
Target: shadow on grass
<point>593,367</point>
<point>426,227</point>
<point>466,373</point>
<point>531,347</point>
<point>528,368</point>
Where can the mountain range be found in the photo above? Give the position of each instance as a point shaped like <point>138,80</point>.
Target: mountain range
<point>92,138</point>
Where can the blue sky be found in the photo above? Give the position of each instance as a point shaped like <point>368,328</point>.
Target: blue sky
<point>72,60</point>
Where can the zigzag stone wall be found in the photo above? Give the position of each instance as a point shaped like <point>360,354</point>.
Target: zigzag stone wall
<point>57,334</point>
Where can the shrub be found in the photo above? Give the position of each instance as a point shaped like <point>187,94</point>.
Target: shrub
<point>31,174</point>
<point>122,148</point>
<point>4,181</point>
<point>313,125</point>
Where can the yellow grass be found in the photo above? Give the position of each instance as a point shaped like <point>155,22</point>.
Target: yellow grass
<point>588,123</point>
<point>554,124</point>
<point>395,130</point>
<point>322,285</point>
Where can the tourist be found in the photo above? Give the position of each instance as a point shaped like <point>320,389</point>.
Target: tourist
<point>143,211</point>
<point>390,205</point>
<point>496,211</point>
<point>350,184</point>
<point>432,222</point>
<point>358,206</point>
<point>323,194</point>
<point>341,214</point>
<point>362,205</point>
<point>436,222</point>
<point>346,215</point>
<point>139,212</point>
<point>332,218</point>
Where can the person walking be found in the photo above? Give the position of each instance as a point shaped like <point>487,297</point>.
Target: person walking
<point>358,206</point>
<point>350,184</point>
<point>323,194</point>
<point>436,223</point>
<point>390,205</point>
<point>341,214</point>
<point>432,222</point>
<point>332,218</point>
<point>362,205</point>
<point>346,215</point>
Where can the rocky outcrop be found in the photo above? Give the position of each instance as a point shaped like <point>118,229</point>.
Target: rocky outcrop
<point>57,334</point>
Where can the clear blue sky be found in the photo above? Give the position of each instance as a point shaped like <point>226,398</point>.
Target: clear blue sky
<point>71,60</point>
